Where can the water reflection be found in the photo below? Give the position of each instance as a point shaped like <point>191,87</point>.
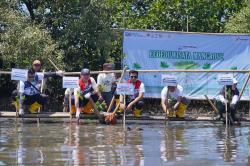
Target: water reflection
<point>227,144</point>
<point>103,145</point>
<point>177,143</point>
<point>173,145</point>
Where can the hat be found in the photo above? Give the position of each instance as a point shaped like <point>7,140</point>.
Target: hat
<point>235,81</point>
<point>85,71</point>
<point>174,84</point>
<point>109,65</point>
<point>36,62</point>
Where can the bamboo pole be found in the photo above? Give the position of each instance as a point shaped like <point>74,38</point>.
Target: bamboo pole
<point>170,71</point>
<point>113,98</point>
<point>41,90</point>
<point>212,104</point>
<point>124,113</point>
<point>53,64</point>
<point>244,85</point>
<point>226,108</point>
<point>154,71</point>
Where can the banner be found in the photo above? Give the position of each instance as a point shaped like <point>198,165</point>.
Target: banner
<point>147,50</point>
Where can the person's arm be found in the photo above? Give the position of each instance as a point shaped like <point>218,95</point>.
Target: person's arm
<point>99,79</point>
<point>179,92</point>
<point>53,74</point>
<point>235,99</point>
<point>221,96</point>
<point>139,97</point>
<point>96,90</point>
<point>164,99</point>
<point>163,104</point>
<point>76,96</point>
<point>178,102</point>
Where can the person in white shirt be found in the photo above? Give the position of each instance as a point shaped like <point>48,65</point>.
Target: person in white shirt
<point>172,100</point>
<point>105,81</point>
<point>29,92</point>
<point>231,98</point>
<point>87,88</point>
<point>135,102</point>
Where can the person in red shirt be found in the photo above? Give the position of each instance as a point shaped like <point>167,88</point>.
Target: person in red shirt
<point>87,88</point>
<point>135,102</point>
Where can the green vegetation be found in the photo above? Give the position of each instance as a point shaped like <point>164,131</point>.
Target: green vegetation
<point>186,65</point>
<point>136,66</point>
<point>233,68</point>
<point>239,22</point>
<point>164,64</point>
<point>206,66</point>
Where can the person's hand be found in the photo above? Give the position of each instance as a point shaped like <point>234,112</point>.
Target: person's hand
<point>232,106</point>
<point>78,112</point>
<point>129,107</point>
<point>100,98</point>
<point>21,112</point>
<point>87,96</point>
<point>171,109</point>
<point>59,73</point>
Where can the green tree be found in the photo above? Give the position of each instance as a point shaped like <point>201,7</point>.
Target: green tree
<point>21,41</point>
<point>81,27</point>
<point>239,22</point>
<point>172,15</point>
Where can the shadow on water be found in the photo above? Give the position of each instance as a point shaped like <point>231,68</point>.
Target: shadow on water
<point>147,143</point>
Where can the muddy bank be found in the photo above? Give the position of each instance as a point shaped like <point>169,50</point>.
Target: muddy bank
<point>152,107</point>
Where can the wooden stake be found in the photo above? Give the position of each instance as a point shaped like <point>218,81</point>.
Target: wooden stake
<point>41,90</point>
<point>70,107</point>
<point>212,104</point>
<point>124,113</point>
<point>226,105</point>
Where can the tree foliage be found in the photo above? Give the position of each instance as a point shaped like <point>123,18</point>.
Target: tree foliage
<point>173,15</point>
<point>239,22</point>
<point>81,27</point>
<point>79,33</point>
<point>22,41</point>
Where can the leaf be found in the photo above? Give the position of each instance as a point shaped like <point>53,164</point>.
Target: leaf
<point>164,64</point>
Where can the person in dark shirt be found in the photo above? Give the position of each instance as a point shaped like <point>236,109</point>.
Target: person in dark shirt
<point>229,96</point>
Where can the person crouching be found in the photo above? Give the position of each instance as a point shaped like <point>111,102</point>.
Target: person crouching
<point>29,94</point>
<point>172,101</point>
<point>229,96</point>
<point>135,102</point>
<point>87,88</point>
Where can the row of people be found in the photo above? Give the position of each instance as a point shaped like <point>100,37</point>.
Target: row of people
<point>28,92</point>
<point>172,100</point>
<point>104,89</point>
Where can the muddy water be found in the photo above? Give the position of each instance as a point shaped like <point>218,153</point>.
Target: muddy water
<point>147,143</point>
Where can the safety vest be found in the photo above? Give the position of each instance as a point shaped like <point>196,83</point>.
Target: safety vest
<point>136,88</point>
<point>82,85</point>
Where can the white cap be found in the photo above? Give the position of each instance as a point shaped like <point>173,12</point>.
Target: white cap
<point>235,81</point>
